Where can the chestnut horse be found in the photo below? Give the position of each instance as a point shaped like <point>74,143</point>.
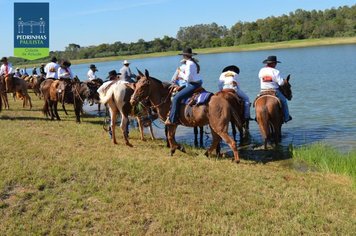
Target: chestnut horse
<point>222,108</point>
<point>65,91</point>
<point>16,86</point>
<point>269,114</point>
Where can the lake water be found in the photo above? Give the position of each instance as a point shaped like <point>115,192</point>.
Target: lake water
<point>323,83</point>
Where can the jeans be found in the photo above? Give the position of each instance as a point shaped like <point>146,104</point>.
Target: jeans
<point>246,102</point>
<point>184,93</point>
<point>284,104</point>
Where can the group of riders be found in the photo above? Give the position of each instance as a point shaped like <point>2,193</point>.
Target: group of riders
<point>187,79</point>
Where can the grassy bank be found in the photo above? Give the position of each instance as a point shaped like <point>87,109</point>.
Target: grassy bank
<point>240,48</point>
<point>327,159</point>
<point>59,177</point>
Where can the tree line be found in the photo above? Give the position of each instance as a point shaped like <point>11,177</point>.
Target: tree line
<point>300,24</point>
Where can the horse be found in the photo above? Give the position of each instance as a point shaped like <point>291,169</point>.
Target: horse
<point>64,91</point>
<point>34,82</point>
<point>16,86</point>
<point>269,115</point>
<point>3,94</point>
<point>116,95</point>
<point>94,95</point>
<point>222,108</point>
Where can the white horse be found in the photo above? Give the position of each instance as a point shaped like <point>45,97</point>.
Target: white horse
<point>116,95</point>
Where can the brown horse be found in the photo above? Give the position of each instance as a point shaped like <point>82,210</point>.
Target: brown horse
<point>222,108</point>
<point>269,115</point>
<point>16,86</point>
<point>64,91</point>
<point>33,82</point>
<point>93,97</point>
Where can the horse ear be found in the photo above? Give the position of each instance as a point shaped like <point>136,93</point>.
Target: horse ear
<point>147,74</point>
<point>139,72</point>
<point>288,77</point>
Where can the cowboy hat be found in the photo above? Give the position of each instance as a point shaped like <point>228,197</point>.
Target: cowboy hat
<point>271,59</point>
<point>232,68</point>
<point>113,73</point>
<point>3,59</point>
<point>66,63</point>
<point>54,59</point>
<point>92,66</point>
<point>126,62</point>
<point>187,52</point>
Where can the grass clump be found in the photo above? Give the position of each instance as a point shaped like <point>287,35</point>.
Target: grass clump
<point>328,159</point>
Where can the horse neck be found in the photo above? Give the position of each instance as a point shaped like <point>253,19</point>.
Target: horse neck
<point>160,98</point>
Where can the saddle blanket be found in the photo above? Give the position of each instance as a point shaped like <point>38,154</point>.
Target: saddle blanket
<point>198,99</point>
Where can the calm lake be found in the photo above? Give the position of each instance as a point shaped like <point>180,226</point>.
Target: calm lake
<point>323,83</point>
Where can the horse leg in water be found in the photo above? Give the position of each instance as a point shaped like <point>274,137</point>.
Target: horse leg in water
<point>201,136</point>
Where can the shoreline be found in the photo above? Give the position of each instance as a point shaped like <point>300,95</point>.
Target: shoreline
<point>240,48</point>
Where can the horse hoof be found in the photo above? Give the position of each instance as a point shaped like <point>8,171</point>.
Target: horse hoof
<point>237,161</point>
<point>172,152</point>
<point>182,149</point>
<point>129,144</point>
<point>206,153</point>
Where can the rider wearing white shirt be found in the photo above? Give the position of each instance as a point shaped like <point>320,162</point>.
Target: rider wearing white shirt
<point>270,79</point>
<point>6,71</point>
<point>91,73</point>
<point>228,80</point>
<point>64,72</point>
<point>51,69</point>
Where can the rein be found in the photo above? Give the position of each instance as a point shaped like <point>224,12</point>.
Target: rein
<point>165,100</point>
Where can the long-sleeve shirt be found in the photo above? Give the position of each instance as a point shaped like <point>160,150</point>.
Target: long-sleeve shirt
<point>191,72</point>
<point>126,74</point>
<point>91,75</point>
<point>65,73</point>
<point>6,69</point>
<point>51,70</point>
<point>270,78</point>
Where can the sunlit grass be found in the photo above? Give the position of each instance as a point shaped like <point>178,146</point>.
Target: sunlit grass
<point>64,178</point>
<point>328,159</point>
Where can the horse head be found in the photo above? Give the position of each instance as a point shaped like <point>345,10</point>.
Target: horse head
<point>286,88</point>
<point>141,89</point>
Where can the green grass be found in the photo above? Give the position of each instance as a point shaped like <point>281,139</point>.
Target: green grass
<point>328,159</point>
<point>63,178</point>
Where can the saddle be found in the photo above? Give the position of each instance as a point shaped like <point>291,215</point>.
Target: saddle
<point>270,93</point>
<point>199,97</point>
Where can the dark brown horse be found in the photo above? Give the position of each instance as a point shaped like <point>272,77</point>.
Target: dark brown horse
<point>222,108</point>
<point>64,91</point>
<point>269,114</point>
<point>16,86</point>
<point>93,97</point>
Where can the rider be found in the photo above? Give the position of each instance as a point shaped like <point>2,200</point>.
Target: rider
<point>51,69</point>
<point>64,72</point>
<point>271,80</point>
<point>126,74</point>
<point>91,73</point>
<point>192,77</point>
<point>6,71</point>
<point>176,79</point>
<point>228,80</point>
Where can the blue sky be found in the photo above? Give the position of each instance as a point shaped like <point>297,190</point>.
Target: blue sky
<point>92,22</point>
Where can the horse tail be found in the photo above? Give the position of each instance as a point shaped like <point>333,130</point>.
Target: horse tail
<point>235,104</point>
<point>45,109</point>
<point>106,92</point>
<point>263,122</point>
